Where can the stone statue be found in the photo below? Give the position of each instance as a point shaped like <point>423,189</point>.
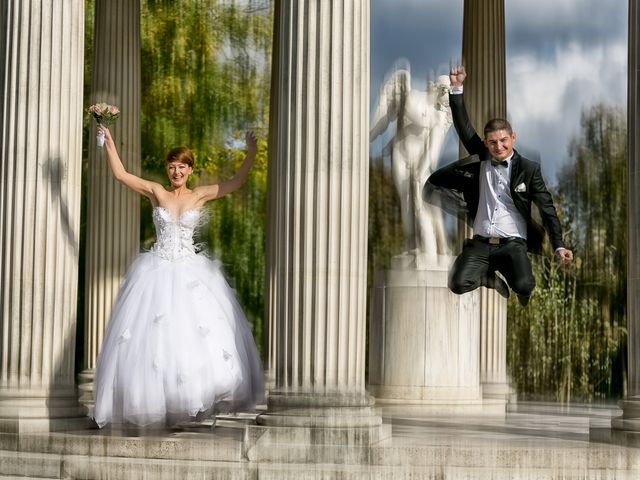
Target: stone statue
<point>422,121</point>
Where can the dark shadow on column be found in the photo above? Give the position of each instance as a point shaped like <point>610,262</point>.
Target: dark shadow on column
<point>55,171</point>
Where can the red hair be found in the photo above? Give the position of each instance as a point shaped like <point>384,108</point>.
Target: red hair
<point>181,155</point>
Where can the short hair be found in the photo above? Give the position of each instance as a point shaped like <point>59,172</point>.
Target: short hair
<point>180,154</point>
<point>496,124</point>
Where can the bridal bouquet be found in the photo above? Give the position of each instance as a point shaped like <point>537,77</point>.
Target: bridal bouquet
<point>104,114</point>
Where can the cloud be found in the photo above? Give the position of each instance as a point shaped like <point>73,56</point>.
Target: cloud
<point>546,97</point>
<point>544,24</point>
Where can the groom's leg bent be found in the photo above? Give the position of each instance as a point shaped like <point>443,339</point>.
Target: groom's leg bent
<point>513,263</point>
<point>470,268</point>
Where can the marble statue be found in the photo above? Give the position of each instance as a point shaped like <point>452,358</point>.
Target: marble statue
<point>422,121</point>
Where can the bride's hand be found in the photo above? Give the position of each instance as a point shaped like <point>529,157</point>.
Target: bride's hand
<point>105,131</point>
<point>252,144</point>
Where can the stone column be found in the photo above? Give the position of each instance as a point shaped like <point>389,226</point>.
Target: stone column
<point>113,211</point>
<point>41,72</point>
<point>483,52</point>
<point>271,291</point>
<point>630,419</point>
<point>317,211</point>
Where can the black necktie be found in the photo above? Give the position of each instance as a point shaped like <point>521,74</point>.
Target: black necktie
<point>503,163</point>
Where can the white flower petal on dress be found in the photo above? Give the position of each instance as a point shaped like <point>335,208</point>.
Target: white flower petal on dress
<point>156,364</point>
<point>204,330</point>
<point>124,336</point>
<point>158,318</point>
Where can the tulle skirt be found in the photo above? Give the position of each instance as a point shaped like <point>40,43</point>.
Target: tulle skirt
<point>177,344</point>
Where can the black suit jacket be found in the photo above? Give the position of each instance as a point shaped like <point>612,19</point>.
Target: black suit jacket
<point>461,180</point>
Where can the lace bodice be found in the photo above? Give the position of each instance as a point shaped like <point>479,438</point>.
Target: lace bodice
<point>174,236</point>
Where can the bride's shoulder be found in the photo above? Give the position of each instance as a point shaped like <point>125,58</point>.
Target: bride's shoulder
<point>206,193</point>
<point>157,190</point>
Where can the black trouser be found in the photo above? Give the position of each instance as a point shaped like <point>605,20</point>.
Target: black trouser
<point>479,258</point>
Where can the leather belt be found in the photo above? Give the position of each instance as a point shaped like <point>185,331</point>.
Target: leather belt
<point>494,240</point>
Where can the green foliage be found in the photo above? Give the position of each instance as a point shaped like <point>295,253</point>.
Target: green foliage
<point>385,224</point>
<point>570,341</point>
<point>205,77</point>
<point>236,234</point>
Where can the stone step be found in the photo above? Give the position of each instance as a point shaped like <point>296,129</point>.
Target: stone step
<point>418,449</point>
<point>443,472</point>
<point>553,458</point>
<point>157,469</point>
<point>571,458</point>
<point>21,477</point>
<point>51,466</point>
<point>26,464</point>
<point>222,444</point>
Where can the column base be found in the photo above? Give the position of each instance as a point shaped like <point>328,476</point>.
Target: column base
<point>486,407</point>
<point>40,410</point>
<point>316,427</point>
<point>498,390</point>
<point>320,410</point>
<point>85,390</point>
<point>629,421</point>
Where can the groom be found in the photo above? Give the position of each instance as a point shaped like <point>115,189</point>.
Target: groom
<point>498,187</point>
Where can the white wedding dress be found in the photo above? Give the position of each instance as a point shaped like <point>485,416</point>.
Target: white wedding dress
<point>177,342</point>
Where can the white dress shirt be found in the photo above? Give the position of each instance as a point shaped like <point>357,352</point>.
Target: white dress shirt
<point>497,215</point>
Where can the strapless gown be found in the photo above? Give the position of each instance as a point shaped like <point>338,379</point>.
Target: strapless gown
<point>177,342</point>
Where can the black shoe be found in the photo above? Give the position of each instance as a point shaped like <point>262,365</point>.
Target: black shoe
<point>499,285</point>
<point>524,300</point>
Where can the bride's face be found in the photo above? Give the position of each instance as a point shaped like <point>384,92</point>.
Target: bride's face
<point>178,173</point>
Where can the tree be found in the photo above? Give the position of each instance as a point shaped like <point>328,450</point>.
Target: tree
<point>205,77</point>
<point>570,341</point>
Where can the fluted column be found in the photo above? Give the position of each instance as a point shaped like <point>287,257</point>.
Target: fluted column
<point>317,207</point>
<point>271,290</point>
<point>630,419</point>
<point>483,52</point>
<point>41,72</point>
<point>113,211</point>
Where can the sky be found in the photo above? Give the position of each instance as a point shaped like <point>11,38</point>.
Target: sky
<point>562,56</point>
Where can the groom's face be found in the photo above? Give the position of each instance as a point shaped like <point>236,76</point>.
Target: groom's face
<point>500,144</point>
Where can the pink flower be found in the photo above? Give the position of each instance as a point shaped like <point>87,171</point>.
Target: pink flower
<point>104,113</point>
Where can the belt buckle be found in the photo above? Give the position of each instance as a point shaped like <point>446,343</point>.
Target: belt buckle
<point>494,241</point>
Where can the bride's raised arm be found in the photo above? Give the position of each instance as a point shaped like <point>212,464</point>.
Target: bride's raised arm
<point>211,192</point>
<point>135,183</point>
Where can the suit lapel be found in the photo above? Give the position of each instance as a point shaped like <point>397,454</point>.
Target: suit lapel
<point>516,172</point>
<point>518,176</point>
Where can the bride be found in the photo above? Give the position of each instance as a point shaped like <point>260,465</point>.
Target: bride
<point>177,344</point>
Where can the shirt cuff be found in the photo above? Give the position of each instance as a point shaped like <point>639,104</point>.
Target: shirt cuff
<point>456,89</point>
<point>558,249</point>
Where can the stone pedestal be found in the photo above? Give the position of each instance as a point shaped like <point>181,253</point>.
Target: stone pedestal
<point>424,343</point>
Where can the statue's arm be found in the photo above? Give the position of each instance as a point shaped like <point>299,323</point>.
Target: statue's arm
<point>391,96</point>
<point>384,114</point>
